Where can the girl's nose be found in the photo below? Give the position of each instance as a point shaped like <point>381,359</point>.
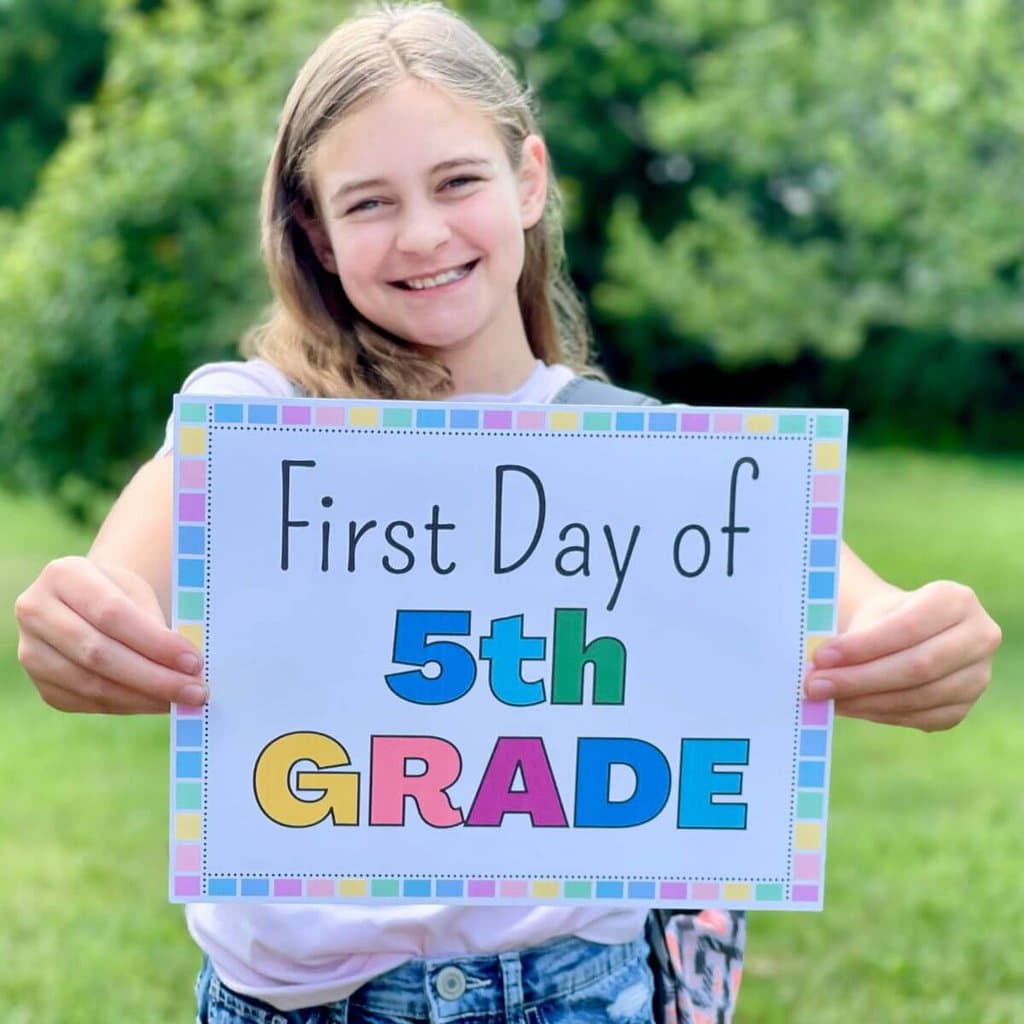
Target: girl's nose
<point>422,229</point>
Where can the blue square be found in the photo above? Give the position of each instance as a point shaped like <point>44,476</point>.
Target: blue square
<point>629,421</point>
<point>448,887</point>
<point>191,540</point>
<point>823,554</point>
<point>222,886</point>
<point>255,887</point>
<point>418,887</point>
<point>662,421</point>
<point>464,419</point>
<point>188,732</point>
<point>188,764</point>
<point>811,774</point>
<point>191,572</point>
<point>813,742</point>
<point>609,890</point>
<point>641,890</point>
<point>262,413</point>
<point>821,585</point>
<point>430,419</point>
<point>224,413</point>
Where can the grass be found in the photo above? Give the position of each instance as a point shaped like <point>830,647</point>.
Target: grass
<point>924,916</point>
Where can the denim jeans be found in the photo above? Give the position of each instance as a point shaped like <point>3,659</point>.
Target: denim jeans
<point>568,980</point>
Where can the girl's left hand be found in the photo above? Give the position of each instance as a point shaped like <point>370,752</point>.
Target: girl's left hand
<point>919,658</point>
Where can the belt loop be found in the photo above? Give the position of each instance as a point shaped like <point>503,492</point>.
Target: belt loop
<point>512,987</point>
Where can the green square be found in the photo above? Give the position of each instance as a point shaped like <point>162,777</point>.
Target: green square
<point>193,412</point>
<point>578,890</point>
<point>397,418</point>
<point>809,805</point>
<point>384,887</point>
<point>597,421</point>
<point>188,796</point>
<point>819,618</point>
<point>768,892</point>
<point>790,424</point>
<point>190,605</point>
<point>828,426</point>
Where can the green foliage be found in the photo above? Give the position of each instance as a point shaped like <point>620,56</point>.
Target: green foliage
<point>51,57</point>
<point>859,159</point>
<point>138,256</point>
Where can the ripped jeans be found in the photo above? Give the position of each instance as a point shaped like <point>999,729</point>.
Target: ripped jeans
<point>568,980</point>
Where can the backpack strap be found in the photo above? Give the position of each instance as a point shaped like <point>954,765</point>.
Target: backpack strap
<point>586,391</point>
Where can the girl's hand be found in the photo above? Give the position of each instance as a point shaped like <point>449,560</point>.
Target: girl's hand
<point>919,658</point>
<point>94,639</point>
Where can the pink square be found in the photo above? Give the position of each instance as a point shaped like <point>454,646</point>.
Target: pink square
<point>320,887</point>
<point>192,473</point>
<point>704,891</point>
<point>814,712</point>
<point>826,487</point>
<point>807,867</point>
<point>514,888</point>
<point>531,420</point>
<point>187,858</point>
<point>330,415</point>
<point>728,423</point>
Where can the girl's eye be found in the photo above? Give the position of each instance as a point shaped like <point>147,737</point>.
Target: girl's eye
<point>465,179</point>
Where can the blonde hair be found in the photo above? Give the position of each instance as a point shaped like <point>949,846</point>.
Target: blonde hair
<point>314,334</point>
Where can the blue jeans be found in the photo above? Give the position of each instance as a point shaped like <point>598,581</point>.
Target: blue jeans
<point>568,980</point>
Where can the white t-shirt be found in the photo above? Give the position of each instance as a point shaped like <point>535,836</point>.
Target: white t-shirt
<point>294,956</point>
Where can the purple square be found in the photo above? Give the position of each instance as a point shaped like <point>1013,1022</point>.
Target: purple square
<point>191,508</point>
<point>295,414</point>
<point>824,519</point>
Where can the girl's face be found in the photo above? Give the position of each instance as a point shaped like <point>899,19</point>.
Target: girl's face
<point>423,219</point>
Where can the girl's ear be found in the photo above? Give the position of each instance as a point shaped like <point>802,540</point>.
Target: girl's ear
<point>533,180</point>
<point>305,213</point>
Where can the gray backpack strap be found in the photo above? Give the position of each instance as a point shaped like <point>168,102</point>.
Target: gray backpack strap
<point>585,391</point>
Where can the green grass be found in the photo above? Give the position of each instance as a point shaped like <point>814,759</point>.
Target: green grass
<point>924,916</point>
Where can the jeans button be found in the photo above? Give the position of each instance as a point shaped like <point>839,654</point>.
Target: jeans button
<point>450,982</point>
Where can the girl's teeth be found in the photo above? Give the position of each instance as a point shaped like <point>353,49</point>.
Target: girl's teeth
<point>433,282</point>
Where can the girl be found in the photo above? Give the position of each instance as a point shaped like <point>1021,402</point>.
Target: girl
<point>411,236</point>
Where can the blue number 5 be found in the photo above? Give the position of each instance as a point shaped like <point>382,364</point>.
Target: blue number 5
<point>458,669</point>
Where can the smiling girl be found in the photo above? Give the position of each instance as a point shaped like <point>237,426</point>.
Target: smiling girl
<point>411,235</point>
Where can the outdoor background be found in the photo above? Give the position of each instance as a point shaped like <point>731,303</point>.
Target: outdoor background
<point>768,202</point>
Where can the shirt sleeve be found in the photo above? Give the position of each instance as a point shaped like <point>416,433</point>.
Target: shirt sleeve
<point>253,379</point>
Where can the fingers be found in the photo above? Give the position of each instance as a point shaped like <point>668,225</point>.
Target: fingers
<point>927,612</point>
<point>932,720</point>
<point>91,594</point>
<point>98,657</point>
<point>933,659</point>
<point>962,687</point>
<point>68,687</point>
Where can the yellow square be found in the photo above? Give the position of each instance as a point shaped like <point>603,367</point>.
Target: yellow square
<point>736,891</point>
<point>363,416</point>
<point>564,421</point>
<point>546,890</point>
<point>760,423</point>
<point>192,441</point>
<point>808,836</point>
<point>187,825</point>
<point>826,455</point>
<point>813,643</point>
<point>192,633</point>
<point>352,887</point>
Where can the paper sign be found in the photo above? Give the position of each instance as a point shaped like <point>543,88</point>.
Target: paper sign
<point>503,654</point>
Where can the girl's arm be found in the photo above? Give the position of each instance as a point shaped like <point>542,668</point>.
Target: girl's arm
<point>919,658</point>
<point>93,633</point>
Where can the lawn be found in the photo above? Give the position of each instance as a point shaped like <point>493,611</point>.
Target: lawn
<point>924,916</point>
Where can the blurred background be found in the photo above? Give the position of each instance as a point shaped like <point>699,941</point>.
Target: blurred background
<point>767,202</point>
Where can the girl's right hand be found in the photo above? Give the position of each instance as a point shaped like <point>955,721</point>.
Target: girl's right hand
<point>93,638</point>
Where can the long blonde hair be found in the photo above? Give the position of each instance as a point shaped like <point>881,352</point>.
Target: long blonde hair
<point>314,334</point>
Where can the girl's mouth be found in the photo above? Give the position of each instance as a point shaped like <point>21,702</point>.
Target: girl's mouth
<point>438,282</point>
